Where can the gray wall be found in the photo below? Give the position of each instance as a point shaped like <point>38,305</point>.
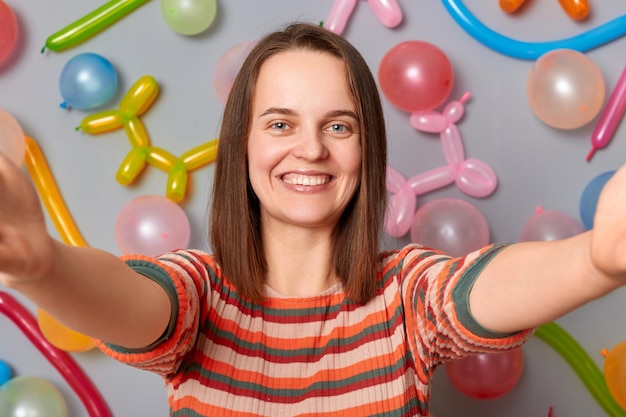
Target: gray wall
<point>535,164</point>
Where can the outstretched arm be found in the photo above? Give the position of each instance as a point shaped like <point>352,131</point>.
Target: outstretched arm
<point>89,290</point>
<point>532,283</point>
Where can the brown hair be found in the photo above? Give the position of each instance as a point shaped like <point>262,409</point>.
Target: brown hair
<point>235,228</point>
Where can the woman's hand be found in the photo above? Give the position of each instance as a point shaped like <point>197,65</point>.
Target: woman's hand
<point>26,248</point>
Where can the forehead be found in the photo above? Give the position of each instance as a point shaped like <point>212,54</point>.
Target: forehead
<point>301,73</point>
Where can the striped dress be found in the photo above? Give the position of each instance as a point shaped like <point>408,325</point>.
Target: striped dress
<point>319,355</point>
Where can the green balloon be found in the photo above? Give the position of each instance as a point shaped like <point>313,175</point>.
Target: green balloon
<point>32,397</point>
<point>188,17</point>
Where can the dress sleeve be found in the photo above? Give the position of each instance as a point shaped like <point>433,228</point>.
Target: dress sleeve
<point>435,291</point>
<point>184,276</point>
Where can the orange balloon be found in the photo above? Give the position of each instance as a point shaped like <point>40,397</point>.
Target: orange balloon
<point>576,9</point>
<point>615,373</point>
<point>511,6</point>
<point>61,336</point>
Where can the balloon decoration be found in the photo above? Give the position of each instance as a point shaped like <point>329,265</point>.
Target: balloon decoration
<point>610,117</point>
<point>11,138</point>
<point>9,31</point>
<point>62,336</point>
<point>576,9</point>
<point>152,225</point>
<point>91,24</point>
<point>5,372</point>
<point>415,76</point>
<point>546,225</point>
<point>135,103</point>
<point>62,361</point>
<point>582,364</point>
<point>589,198</point>
<point>488,375</point>
<point>451,225</point>
<point>473,177</point>
<point>188,17</point>
<point>583,42</point>
<point>615,373</point>
<point>565,89</point>
<point>87,81</point>
<point>227,68</point>
<point>511,6</point>
<point>387,11</point>
<point>28,396</point>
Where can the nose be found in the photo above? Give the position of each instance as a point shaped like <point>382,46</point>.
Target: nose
<point>310,145</point>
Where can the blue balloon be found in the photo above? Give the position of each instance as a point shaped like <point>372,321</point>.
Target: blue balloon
<point>87,81</point>
<point>5,372</point>
<point>589,198</point>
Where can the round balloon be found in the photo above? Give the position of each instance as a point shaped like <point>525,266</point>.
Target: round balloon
<point>451,225</point>
<point>87,81</point>
<point>188,17</point>
<point>549,225</point>
<point>488,375</point>
<point>12,141</point>
<point>27,396</point>
<point>589,198</point>
<point>9,31</point>
<point>615,373</point>
<point>5,372</point>
<point>565,89</point>
<point>415,76</point>
<point>227,68</point>
<point>152,225</point>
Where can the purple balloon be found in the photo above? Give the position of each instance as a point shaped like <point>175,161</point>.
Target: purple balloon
<point>451,225</point>
<point>550,225</point>
<point>152,225</point>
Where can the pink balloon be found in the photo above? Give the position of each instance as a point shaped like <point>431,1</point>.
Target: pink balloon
<point>387,11</point>
<point>565,89</point>
<point>400,210</point>
<point>152,225</point>
<point>486,376</point>
<point>8,31</point>
<point>415,76</point>
<point>432,180</point>
<point>339,15</point>
<point>451,225</point>
<point>227,68</point>
<point>476,178</point>
<point>549,225</point>
<point>394,180</point>
<point>12,142</point>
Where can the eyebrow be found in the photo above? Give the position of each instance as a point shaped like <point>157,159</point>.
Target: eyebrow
<point>290,112</point>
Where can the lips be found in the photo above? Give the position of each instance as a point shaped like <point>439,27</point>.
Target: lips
<point>306,180</point>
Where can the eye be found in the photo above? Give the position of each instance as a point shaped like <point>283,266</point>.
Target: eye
<point>338,128</point>
<point>279,125</point>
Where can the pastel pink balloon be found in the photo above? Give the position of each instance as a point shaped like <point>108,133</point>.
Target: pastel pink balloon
<point>8,31</point>
<point>415,76</point>
<point>549,225</point>
<point>488,375</point>
<point>400,210</point>
<point>339,15</point>
<point>452,144</point>
<point>394,180</point>
<point>450,225</point>
<point>152,225</point>
<point>429,121</point>
<point>12,142</point>
<point>565,89</point>
<point>227,68</point>
<point>432,180</point>
<point>476,178</point>
<point>387,11</point>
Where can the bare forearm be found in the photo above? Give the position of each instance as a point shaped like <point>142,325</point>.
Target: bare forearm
<point>95,293</point>
<point>532,283</point>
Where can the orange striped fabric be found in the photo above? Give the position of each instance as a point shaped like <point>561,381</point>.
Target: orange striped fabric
<point>321,355</point>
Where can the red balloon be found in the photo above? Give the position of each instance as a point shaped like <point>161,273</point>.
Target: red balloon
<point>415,76</point>
<point>488,375</point>
<point>8,31</point>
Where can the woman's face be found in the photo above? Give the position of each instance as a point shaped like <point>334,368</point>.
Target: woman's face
<point>304,151</point>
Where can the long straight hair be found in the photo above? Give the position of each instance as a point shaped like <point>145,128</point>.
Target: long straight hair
<point>235,228</point>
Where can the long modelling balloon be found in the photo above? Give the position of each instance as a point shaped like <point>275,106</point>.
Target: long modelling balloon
<point>90,24</point>
<point>583,42</point>
<point>586,369</point>
<point>610,117</point>
<point>62,361</point>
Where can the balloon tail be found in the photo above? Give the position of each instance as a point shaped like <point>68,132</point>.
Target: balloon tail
<point>590,154</point>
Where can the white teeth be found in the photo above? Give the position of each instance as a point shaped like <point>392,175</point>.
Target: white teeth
<point>306,180</point>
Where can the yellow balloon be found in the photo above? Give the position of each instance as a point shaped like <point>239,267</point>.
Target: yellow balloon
<point>615,373</point>
<point>61,336</point>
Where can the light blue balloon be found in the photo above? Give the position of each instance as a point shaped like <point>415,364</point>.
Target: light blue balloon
<point>87,81</point>
<point>5,372</point>
<point>589,198</point>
